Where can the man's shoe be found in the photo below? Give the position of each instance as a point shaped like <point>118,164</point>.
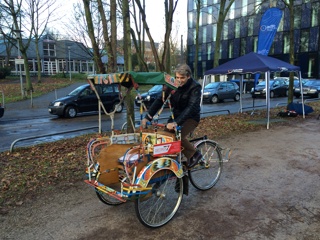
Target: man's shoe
<point>197,156</point>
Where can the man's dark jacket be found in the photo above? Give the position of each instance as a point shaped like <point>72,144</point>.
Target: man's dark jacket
<point>185,101</point>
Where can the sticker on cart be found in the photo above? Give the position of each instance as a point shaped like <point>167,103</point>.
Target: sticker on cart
<point>166,148</point>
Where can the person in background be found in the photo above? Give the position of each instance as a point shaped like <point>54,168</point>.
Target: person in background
<point>185,101</point>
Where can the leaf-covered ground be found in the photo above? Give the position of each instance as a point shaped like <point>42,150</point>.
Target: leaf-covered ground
<point>12,90</point>
<point>30,171</point>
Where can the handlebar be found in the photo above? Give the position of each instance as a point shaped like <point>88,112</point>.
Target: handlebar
<point>161,125</point>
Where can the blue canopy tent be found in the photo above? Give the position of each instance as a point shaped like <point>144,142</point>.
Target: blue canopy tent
<point>255,63</point>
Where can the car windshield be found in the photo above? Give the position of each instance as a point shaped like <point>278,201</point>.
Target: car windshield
<point>212,85</point>
<point>156,88</point>
<point>77,90</point>
<point>297,82</point>
<point>263,83</point>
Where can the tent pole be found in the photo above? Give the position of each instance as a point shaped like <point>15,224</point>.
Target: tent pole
<point>203,83</point>
<point>241,89</point>
<point>267,78</point>
<point>301,91</point>
<point>253,98</point>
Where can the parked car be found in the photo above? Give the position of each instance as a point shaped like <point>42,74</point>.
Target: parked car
<point>278,87</point>
<point>1,110</point>
<point>83,99</point>
<point>218,91</point>
<point>310,89</point>
<point>149,97</point>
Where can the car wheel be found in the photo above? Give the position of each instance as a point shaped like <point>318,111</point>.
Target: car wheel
<point>118,108</point>
<point>271,94</point>
<point>287,93</point>
<point>70,112</point>
<point>297,95</point>
<point>214,99</point>
<point>237,97</point>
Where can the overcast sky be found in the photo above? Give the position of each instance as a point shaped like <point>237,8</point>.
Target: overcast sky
<point>155,18</point>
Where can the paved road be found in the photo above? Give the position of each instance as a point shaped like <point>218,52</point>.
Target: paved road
<point>21,120</point>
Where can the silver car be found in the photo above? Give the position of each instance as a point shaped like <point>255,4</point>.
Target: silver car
<point>218,91</point>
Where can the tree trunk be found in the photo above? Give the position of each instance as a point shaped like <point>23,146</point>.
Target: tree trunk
<point>127,63</point>
<point>291,50</point>
<point>223,11</point>
<point>95,47</point>
<point>196,55</point>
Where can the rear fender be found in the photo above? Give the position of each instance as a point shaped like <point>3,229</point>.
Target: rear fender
<point>161,163</point>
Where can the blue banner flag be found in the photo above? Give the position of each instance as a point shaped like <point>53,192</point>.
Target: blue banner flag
<point>268,27</point>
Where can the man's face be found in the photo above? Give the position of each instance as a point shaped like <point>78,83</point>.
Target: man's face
<point>182,79</point>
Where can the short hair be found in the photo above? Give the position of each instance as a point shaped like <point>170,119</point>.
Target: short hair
<point>183,69</point>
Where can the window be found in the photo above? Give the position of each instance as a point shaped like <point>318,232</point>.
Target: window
<point>304,42</point>
<point>209,15</point>
<point>107,89</point>
<point>255,44</point>
<point>257,6</point>
<point>49,49</point>
<point>250,26</point>
<point>244,7</point>
<point>225,30</point>
<point>286,43</point>
<point>237,28</point>
<point>280,27</point>
<point>231,11</point>
<point>297,17</point>
<point>190,20</point>
<point>311,66</point>
<point>230,49</point>
<point>315,13</point>
<point>204,35</point>
<point>209,51</point>
<point>243,46</point>
<point>214,32</point>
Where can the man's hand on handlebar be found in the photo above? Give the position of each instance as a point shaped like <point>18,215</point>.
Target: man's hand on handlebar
<point>144,122</point>
<point>172,126</point>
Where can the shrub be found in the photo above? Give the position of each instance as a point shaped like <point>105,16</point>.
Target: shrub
<point>4,71</point>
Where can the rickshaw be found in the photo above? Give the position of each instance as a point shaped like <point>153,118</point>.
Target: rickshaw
<point>147,166</point>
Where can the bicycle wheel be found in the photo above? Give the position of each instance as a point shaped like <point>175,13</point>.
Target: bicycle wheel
<point>107,199</point>
<point>159,206</point>
<point>207,173</point>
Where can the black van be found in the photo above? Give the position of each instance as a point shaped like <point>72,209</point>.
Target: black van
<point>83,99</point>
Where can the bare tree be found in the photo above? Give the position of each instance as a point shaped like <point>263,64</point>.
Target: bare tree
<point>127,63</point>
<point>16,11</point>
<point>225,6</point>
<point>164,64</point>
<point>196,55</point>
<point>39,13</point>
<point>290,5</point>
<point>94,43</point>
<point>138,37</point>
<point>110,42</point>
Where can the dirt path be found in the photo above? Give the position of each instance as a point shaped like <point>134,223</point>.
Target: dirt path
<point>269,190</point>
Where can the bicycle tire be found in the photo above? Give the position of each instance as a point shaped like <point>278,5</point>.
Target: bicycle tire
<point>159,206</point>
<point>207,172</point>
<point>107,199</point>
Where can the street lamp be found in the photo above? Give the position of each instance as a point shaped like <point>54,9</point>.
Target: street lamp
<point>18,35</point>
<point>69,63</point>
